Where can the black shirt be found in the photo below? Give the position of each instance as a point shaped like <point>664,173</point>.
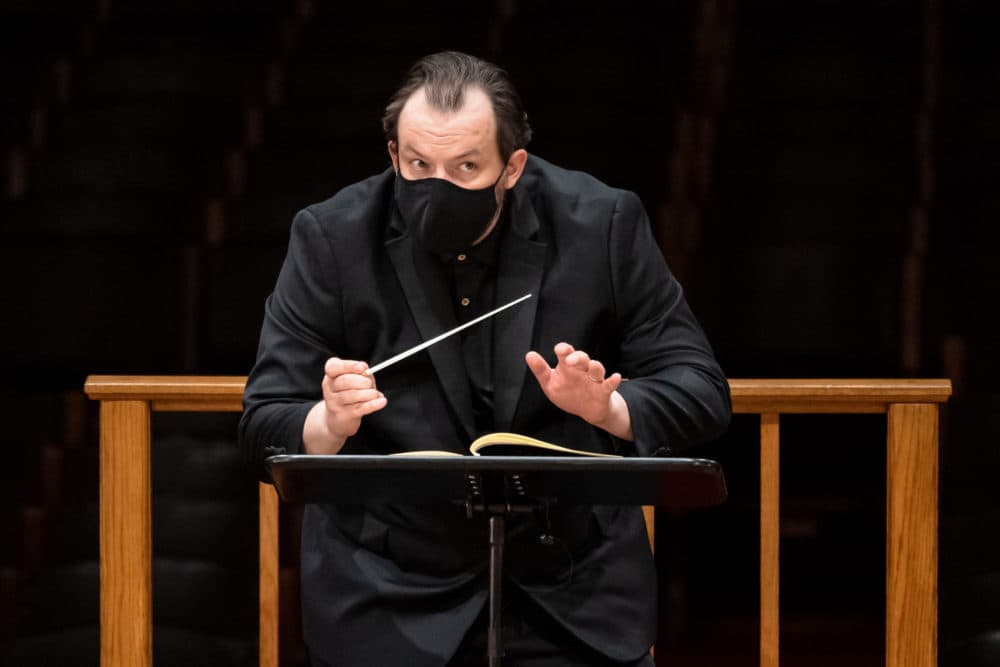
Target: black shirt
<point>472,276</point>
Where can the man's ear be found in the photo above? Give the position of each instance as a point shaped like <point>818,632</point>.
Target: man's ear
<point>393,155</point>
<point>514,168</point>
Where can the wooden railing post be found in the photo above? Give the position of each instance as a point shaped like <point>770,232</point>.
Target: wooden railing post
<point>911,536</point>
<point>770,538</point>
<point>126,535</point>
<point>268,609</point>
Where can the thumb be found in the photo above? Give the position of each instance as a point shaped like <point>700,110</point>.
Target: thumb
<point>539,367</point>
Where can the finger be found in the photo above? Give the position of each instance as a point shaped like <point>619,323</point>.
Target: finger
<point>595,370</point>
<point>359,410</point>
<point>579,360</point>
<point>351,381</point>
<point>562,350</point>
<point>613,382</point>
<point>327,385</point>
<point>332,365</point>
<point>335,366</point>
<point>538,366</point>
<point>347,381</point>
<point>371,406</point>
<point>352,397</point>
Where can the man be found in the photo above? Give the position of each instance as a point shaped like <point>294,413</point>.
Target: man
<point>464,221</point>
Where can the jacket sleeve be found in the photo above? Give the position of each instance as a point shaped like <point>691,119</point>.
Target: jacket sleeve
<point>302,325</point>
<point>677,394</point>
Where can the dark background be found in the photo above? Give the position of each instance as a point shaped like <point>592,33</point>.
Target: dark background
<point>819,174</point>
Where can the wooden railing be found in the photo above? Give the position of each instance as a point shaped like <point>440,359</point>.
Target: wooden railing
<point>911,407</point>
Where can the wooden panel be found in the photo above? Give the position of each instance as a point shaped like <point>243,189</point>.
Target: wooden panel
<point>911,536</point>
<point>809,406</point>
<point>206,405</point>
<point>649,514</point>
<point>268,522</point>
<point>770,532</point>
<point>126,537</point>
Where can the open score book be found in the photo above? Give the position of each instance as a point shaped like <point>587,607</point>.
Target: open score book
<point>511,444</point>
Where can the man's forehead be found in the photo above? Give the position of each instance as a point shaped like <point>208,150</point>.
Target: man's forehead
<point>473,120</point>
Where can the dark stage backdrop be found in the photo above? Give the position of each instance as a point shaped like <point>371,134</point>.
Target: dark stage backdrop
<point>818,174</point>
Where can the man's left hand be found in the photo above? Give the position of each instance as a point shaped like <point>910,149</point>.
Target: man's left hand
<point>577,385</point>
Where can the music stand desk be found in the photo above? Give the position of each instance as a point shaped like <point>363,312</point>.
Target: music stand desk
<point>497,486</point>
<point>429,480</point>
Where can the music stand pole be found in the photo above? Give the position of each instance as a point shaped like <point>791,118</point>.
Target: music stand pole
<point>495,636</point>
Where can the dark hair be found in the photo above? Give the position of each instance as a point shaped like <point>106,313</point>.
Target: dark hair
<point>445,76</point>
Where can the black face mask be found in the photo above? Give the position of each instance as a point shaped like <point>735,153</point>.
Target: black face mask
<point>443,217</point>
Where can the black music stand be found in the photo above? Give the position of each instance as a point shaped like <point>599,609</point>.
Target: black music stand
<point>498,486</point>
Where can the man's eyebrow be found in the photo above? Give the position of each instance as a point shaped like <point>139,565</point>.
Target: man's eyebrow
<point>407,148</point>
<point>410,149</point>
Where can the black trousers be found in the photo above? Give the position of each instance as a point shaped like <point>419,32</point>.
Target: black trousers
<point>531,638</point>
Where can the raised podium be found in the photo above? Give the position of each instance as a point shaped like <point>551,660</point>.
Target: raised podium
<point>495,487</point>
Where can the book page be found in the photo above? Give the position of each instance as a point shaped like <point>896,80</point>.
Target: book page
<point>510,442</point>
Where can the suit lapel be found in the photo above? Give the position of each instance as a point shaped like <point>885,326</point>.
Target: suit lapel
<point>522,264</point>
<point>427,293</point>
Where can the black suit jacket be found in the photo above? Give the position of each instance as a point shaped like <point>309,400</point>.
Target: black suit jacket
<point>385,584</point>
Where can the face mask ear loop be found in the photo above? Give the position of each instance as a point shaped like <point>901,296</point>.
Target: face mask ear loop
<point>503,170</point>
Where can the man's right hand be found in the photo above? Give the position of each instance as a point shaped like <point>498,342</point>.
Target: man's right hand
<point>348,395</point>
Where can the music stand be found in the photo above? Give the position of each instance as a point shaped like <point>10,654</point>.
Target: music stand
<point>498,486</point>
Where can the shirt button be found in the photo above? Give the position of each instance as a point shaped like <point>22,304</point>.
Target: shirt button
<point>465,301</point>
<point>461,257</point>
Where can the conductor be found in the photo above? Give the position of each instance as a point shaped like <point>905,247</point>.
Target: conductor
<point>606,356</point>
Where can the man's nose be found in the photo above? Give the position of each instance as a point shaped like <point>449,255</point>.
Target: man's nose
<point>442,173</point>
<point>445,176</point>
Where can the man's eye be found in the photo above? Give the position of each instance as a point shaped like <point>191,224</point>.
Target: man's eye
<point>418,164</point>
<point>468,166</point>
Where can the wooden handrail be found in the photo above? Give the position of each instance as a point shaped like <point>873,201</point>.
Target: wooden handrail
<point>171,393</point>
<point>774,395</point>
<point>911,406</point>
